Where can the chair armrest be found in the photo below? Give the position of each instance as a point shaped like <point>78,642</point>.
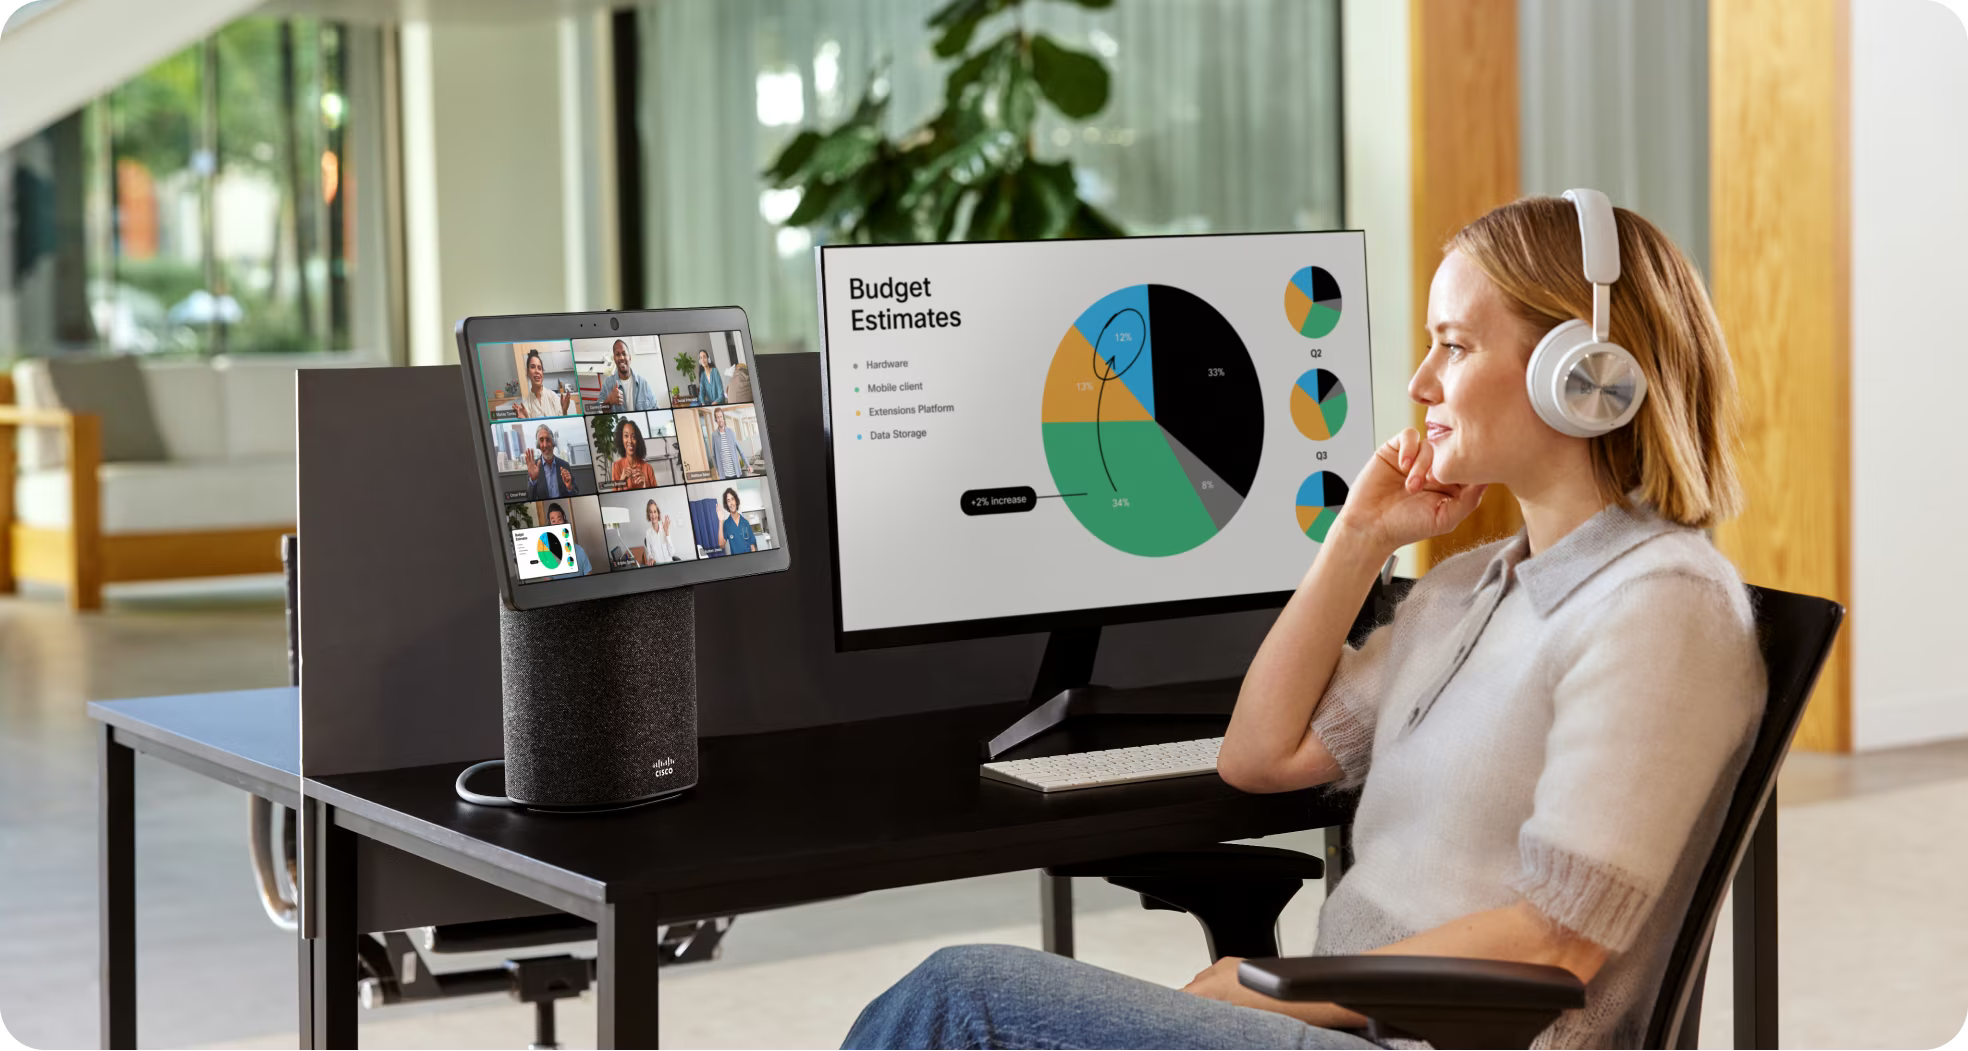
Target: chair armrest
<point>15,416</point>
<point>1220,861</point>
<point>1447,1001</point>
<point>1440,981</point>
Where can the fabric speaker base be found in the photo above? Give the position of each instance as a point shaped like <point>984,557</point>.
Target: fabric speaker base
<point>600,700</point>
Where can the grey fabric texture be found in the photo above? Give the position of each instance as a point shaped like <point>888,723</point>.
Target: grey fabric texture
<point>113,389</point>
<point>600,699</point>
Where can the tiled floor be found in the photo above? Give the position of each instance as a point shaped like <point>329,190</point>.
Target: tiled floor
<point>1874,904</point>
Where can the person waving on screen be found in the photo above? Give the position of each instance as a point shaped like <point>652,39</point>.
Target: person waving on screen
<point>538,402</point>
<point>547,476</point>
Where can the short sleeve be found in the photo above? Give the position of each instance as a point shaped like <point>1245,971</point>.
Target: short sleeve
<point>1345,719</point>
<point>1662,691</point>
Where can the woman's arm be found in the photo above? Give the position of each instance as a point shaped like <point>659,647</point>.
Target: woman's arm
<point>1270,746</point>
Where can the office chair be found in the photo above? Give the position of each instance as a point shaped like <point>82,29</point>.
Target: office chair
<point>390,967</point>
<point>1237,893</point>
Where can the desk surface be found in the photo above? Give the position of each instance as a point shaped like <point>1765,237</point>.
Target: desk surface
<point>805,814</point>
<point>776,818</point>
<point>247,738</point>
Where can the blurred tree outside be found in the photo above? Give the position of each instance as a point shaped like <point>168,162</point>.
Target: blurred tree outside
<point>224,166</point>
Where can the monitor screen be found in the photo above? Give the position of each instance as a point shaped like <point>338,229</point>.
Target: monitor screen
<point>1027,435</point>
<point>632,455</point>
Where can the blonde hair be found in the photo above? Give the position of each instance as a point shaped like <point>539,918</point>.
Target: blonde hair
<point>1678,454</point>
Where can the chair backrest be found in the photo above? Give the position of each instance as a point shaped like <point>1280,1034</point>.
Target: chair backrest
<point>290,564</point>
<point>1795,633</point>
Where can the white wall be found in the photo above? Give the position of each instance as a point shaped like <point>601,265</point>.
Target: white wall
<point>501,156</point>
<point>1909,372</point>
<point>1379,200</point>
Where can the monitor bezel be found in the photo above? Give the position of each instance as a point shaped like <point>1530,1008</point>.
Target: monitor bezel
<point>522,328</point>
<point>1025,623</point>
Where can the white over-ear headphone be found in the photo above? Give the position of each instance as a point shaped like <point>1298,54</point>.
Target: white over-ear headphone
<point>1581,382</point>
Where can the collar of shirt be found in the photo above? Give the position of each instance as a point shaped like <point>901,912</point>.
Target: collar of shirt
<point>1551,578</point>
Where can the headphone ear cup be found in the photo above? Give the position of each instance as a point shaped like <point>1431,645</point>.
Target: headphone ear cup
<point>1582,388</point>
<point>1541,376</point>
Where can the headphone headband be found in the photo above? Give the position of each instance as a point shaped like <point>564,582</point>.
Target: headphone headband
<point>1599,242</point>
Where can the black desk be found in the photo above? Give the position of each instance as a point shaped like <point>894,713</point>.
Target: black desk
<point>778,819</point>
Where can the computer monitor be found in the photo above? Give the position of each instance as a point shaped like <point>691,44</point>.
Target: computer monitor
<point>1035,436</point>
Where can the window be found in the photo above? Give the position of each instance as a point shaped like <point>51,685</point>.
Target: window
<point>208,205</point>
<point>1224,116</point>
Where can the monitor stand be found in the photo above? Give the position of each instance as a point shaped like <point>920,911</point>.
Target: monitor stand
<point>1063,692</point>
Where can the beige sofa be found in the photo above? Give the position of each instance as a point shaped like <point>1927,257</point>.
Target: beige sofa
<point>215,506</point>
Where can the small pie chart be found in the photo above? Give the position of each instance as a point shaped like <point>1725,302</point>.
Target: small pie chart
<point>1318,405</point>
<point>1312,302</point>
<point>1319,499</point>
<point>550,551</point>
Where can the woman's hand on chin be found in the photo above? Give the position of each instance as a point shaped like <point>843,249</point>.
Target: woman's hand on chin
<point>1396,500</point>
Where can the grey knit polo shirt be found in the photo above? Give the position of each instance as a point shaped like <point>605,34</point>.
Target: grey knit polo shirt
<point>1564,730</point>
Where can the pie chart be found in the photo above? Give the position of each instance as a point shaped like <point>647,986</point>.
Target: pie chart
<point>550,552</point>
<point>1153,420</point>
<point>1319,499</point>
<point>1312,302</point>
<point>1318,405</point>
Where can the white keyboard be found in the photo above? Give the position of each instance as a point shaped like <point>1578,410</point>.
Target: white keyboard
<point>1112,766</point>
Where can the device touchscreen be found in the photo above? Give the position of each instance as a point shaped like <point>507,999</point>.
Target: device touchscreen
<point>626,454</point>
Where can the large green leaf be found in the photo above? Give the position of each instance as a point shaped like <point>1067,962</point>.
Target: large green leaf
<point>971,161</point>
<point>1020,106</point>
<point>1042,202</point>
<point>1089,221</point>
<point>793,158</point>
<point>1075,81</point>
<point>991,218</point>
<point>840,154</point>
<point>977,72</point>
<point>816,201</point>
<point>957,22</point>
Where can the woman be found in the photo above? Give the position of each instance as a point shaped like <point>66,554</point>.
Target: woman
<point>656,546</point>
<point>737,538</point>
<point>1548,731</point>
<point>537,402</point>
<point>710,385</point>
<point>633,470</point>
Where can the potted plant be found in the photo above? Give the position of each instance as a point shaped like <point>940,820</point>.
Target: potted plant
<point>974,164</point>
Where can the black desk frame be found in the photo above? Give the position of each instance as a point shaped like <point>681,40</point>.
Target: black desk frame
<point>335,822</point>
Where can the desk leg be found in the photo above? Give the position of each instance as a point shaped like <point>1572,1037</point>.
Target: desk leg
<point>1056,913</point>
<point>627,955</point>
<point>1756,936</point>
<point>328,960</point>
<point>116,888</point>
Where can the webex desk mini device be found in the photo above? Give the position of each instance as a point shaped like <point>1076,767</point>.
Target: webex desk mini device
<point>624,459</point>
<point>1060,435</point>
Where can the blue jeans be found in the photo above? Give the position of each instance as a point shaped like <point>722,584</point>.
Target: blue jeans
<point>977,996</point>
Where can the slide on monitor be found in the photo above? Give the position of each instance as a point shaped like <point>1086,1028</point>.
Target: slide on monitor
<point>1028,428</point>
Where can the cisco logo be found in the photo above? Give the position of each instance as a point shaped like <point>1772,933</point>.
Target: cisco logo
<point>663,767</point>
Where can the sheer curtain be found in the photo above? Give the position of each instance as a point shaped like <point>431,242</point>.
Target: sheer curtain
<point>1614,95</point>
<point>1224,117</point>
